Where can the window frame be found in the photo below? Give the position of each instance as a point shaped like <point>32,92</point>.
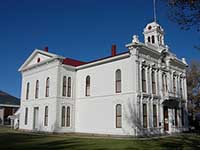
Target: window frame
<point>64,86</point>
<point>46,115</point>
<point>145,116</point>
<point>63,109</point>
<point>68,116</point>
<point>47,87</point>
<point>118,117</point>
<point>118,82</point>
<point>144,82</point>
<point>87,86</point>
<point>155,119</point>
<point>37,89</point>
<point>153,82</point>
<point>69,87</point>
<point>27,90</point>
<point>26,116</point>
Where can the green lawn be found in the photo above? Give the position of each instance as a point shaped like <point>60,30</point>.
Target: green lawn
<point>10,140</point>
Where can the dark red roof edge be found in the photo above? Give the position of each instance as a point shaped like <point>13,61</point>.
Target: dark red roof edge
<point>75,63</point>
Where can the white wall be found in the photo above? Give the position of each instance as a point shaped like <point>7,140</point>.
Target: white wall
<point>96,113</point>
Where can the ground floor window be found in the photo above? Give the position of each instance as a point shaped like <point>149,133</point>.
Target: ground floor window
<point>46,116</point>
<point>154,116</point>
<point>65,116</point>
<point>176,117</point>
<point>118,116</point>
<point>26,116</point>
<point>144,115</point>
<point>182,116</point>
<point>68,117</point>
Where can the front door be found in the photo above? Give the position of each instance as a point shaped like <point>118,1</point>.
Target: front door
<point>36,118</point>
<point>166,119</point>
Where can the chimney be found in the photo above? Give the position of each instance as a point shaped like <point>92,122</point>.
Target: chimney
<point>46,49</point>
<point>113,50</point>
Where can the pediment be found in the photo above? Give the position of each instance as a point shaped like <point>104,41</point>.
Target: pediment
<point>37,57</point>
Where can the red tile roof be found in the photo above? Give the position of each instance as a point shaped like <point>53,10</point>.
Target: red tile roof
<point>72,62</point>
<point>76,63</point>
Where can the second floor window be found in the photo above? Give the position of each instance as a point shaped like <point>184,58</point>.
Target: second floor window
<point>153,82</point>
<point>64,86</point>
<point>118,81</point>
<point>143,80</point>
<point>164,83</point>
<point>37,89</point>
<point>47,87</point>
<point>174,84</point>
<point>181,89</point>
<point>69,87</point>
<point>27,90</point>
<point>87,86</point>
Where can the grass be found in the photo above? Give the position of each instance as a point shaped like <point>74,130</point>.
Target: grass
<point>15,140</point>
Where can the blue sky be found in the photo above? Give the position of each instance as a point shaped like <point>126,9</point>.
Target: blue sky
<point>80,29</point>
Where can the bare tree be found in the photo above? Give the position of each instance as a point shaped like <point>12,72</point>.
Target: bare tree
<point>185,13</point>
<point>193,87</point>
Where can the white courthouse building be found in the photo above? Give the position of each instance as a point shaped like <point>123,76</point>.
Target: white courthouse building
<point>138,92</point>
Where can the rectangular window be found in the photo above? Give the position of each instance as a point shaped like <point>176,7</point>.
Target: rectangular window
<point>144,116</point>
<point>26,116</point>
<point>153,82</point>
<point>143,80</point>
<point>154,116</point>
<point>176,117</point>
<point>182,116</point>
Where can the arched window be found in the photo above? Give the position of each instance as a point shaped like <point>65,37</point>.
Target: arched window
<point>174,84</point>
<point>118,81</point>
<point>153,82</point>
<point>47,87</point>
<point>64,86</point>
<point>46,116</point>
<point>68,117</point>
<point>153,39</point>
<point>149,39</point>
<point>26,116</point>
<point>87,87</point>
<point>69,87</point>
<point>143,80</point>
<point>118,116</point>
<point>63,116</point>
<point>37,89</point>
<point>27,90</point>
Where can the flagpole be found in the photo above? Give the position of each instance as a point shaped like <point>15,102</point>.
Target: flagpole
<point>154,10</point>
